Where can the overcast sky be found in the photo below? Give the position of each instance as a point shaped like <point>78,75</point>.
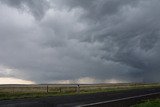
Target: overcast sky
<point>80,41</point>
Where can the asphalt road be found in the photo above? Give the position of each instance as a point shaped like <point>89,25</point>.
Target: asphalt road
<point>86,100</point>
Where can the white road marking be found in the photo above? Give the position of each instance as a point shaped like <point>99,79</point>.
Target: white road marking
<point>126,98</point>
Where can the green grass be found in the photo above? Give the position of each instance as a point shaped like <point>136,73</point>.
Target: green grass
<point>36,91</point>
<point>149,103</point>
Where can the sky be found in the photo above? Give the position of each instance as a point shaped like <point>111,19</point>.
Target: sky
<point>79,41</point>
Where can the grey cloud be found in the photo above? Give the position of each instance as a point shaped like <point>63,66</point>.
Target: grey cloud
<point>37,7</point>
<point>96,10</point>
<point>136,38</point>
<point>133,30</point>
<point>103,39</point>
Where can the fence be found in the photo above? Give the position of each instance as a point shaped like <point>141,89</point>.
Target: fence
<point>63,88</point>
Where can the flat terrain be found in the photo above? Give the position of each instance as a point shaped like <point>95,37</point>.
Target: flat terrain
<point>87,94</point>
<point>44,90</point>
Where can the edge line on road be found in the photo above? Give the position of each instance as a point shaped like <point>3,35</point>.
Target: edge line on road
<point>120,99</point>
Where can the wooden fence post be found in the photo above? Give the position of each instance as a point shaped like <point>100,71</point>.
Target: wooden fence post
<point>78,88</point>
<point>47,88</point>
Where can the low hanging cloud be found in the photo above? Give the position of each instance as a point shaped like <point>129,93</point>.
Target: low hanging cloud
<point>82,41</point>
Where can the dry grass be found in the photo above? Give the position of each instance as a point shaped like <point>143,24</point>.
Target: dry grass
<point>27,91</point>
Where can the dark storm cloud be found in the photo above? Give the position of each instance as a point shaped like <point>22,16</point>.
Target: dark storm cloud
<point>95,10</point>
<point>72,39</point>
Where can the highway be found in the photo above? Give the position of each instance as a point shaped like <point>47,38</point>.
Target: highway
<point>103,99</point>
<point>118,102</point>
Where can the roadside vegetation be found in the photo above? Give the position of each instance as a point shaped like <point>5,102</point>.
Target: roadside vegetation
<point>43,90</point>
<point>149,103</point>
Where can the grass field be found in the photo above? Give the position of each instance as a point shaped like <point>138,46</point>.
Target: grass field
<point>149,103</point>
<point>43,90</point>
